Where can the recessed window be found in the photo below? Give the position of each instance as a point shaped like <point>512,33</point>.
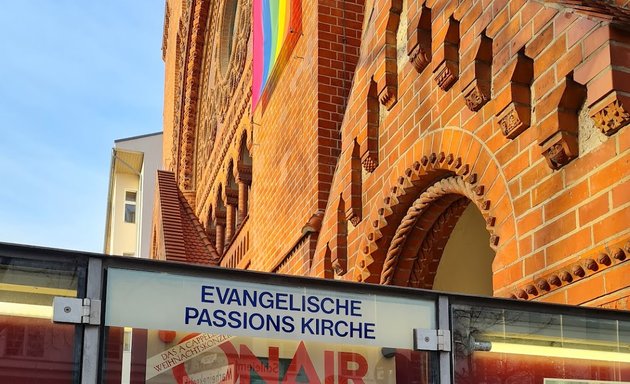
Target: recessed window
<point>130,206</point>
<point>229,24</point>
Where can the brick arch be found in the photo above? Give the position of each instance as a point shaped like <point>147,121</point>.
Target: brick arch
<point>243,144</point>
<point>242,140</point>
<point>439,155</point>
<point>230,166</point>
<point>219,199</point>
<point>437,209</point>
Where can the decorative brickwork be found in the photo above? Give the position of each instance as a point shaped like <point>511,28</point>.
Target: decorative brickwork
<point>587,266</point>
<point>557,117</point>
<point>368,137</point>
<point>610,114</point>
<point>454,181</point>
<point>477,75</point>
<point>362,160</point>
<point>419,38</point>
<point>446,58</point>
<point>514,98</point>
<point>386,75</point>
<point>352,194</point>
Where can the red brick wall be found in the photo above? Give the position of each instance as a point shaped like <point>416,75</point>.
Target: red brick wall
<point>354,129</point>
<point>548,221</point>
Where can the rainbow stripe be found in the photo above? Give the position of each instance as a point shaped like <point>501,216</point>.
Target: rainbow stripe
<point>272,25</point>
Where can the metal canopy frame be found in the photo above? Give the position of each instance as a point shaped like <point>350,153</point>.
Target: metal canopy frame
<point>95,280</point>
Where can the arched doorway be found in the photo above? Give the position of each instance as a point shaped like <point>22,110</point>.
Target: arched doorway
<point>442,242</point>
<point>466,263</point>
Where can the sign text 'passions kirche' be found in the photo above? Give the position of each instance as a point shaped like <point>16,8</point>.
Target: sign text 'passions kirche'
<point>236,309</point>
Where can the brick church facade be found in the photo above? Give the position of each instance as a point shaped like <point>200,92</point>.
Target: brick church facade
<point>474,146</point>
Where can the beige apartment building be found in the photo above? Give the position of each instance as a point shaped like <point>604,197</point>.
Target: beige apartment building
<point>135,161</point>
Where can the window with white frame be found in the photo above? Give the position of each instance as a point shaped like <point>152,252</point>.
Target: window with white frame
<point>130,206</point>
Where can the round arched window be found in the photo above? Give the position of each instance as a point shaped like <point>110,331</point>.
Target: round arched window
<point>228,34</point>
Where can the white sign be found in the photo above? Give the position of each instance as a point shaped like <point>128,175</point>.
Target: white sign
<point>164,301</point>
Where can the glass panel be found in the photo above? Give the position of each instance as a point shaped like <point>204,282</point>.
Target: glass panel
<point>507,346</point>
<point>32,348</point>
<point>170,357</point>
<point>189,329</point>
<point>130,196</point>
<point>130,213</point>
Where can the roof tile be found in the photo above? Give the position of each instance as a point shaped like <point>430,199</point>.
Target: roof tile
<point>184,238</point>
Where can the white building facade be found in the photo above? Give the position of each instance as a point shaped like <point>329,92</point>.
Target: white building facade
<point>135,161</point>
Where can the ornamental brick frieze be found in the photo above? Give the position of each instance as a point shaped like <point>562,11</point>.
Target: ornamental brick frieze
<point>476,95</point>
<point>513,100</point>
<point>605,74</point>
<point>611,114</point>
<point>225,95</point>
<point>584,267</point>
<point>419,39</point>
<point>514,119</point>
<point>220,92</point>
<point>206,137</point>
<point>193,33</point>
<point>167,22</point>
<point>191,81</point>
<point>222,145</point>
<point>181,46</point>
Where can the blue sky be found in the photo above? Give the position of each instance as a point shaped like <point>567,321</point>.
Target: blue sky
<point>74,76</point>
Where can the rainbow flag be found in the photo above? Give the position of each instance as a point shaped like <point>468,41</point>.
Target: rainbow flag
<point>273,22</point>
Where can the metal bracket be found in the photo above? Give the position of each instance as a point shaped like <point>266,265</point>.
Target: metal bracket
<point>432,340</point>
<point>76,311</point>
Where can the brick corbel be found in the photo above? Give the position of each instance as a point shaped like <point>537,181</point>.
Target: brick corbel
<point>557,116</point>
<point>338,243</point>
<point>218,216</point>
<point>368,136</point>
<point>605,73</point>
<point>575,270</point>
<point>386,75</point>
<point>446,56</point>
<point>353,187</point>
<point>243,174</point>
<point>419,39</point>
<point>513,102</point>
<point>231,196</point>
<point>476,78</point>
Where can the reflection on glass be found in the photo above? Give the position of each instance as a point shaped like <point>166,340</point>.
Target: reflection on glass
<point>165,357</point>
<point>32,348</point>
<point>506,346</point>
